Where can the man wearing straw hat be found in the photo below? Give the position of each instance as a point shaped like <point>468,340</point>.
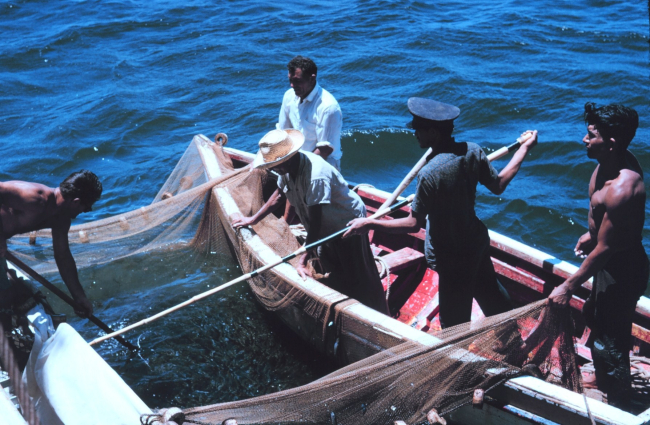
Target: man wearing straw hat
<point>324,204</point>
<point>457,242</point>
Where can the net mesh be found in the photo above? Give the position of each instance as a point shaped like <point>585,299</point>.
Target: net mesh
<point>389,379</point>
<point>407,381</point>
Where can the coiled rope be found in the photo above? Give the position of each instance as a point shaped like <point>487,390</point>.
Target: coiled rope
<point>356,188</point>
<point>385,272</point>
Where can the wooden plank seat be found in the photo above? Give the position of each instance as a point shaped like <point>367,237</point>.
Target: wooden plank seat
<point>402,259</point>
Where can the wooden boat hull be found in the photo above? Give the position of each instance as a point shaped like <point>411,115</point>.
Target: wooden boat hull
<point>527,273</point>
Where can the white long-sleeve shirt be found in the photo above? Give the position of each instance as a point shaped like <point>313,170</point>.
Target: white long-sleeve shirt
<point>318,117</point>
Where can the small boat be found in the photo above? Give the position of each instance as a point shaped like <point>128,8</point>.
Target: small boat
<point>527,273</point>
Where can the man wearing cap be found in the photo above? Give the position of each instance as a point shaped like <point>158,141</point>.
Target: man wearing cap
<point>457,241</point>
<point>307,107</point>
<point>324,204</point>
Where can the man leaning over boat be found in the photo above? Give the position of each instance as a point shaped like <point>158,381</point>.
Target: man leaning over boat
<point>612,248</point>
<point>26,206</point>
<point>457,242</point>
<point>324,204</point>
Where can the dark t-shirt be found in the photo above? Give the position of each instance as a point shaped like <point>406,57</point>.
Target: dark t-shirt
<point>446,192</point>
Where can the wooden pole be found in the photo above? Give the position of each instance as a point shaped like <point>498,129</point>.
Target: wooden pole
<point>56,291</point>
<point>499,153</point>
<point>407,180</point>
<point>416,169</point>
<point>302,250</point>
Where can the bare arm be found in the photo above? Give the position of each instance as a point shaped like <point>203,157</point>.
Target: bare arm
<point>611,238</point>
<point>68,269</point>
<point>266,209</point>
<point>410,224</point>
<point>510,171</point>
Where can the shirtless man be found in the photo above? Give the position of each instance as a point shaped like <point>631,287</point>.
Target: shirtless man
<point>612,247</point>
<point>26,206</point>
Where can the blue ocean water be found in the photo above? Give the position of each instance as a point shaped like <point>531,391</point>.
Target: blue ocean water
<point>120,88</point>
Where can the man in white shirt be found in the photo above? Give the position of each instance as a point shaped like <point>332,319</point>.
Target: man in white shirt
<point>308,107</point>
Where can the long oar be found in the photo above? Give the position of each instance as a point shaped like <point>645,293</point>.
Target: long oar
<point>414,172</point>
<point>499,153</point>
<point>407,180</point>
<point>302,250</point>
<point>56,291</point>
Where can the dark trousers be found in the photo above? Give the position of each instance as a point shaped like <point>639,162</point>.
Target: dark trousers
<point>609,313</point>
<point>14,304</point>
<point>5,282</point>
<point>354,271</point>
<point>463,278</point>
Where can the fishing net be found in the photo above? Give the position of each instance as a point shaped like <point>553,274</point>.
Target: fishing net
<point>408,381</point>
<point>390,375</point>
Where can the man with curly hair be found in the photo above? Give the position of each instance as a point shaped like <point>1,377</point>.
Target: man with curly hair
<point>612,248</point>
<point>26,206</point>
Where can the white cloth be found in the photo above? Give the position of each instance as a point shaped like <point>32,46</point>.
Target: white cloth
<point>318,117</point>
<point>317,182</point>
<point>71,384</point>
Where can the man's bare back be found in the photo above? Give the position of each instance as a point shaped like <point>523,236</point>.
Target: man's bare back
<point>27,206</point>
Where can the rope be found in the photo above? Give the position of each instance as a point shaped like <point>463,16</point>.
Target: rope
<point>591,417</point>
<point>385,271</point>
<point>299,231</point>
<point>172,415</point>
<point>355,188</point>
<point>640,377</point>
<point>9,363</point>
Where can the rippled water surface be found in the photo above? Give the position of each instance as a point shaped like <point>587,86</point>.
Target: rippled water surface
<point>120,88</point>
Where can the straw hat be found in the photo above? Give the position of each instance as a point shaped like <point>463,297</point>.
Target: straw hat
<point>278,146</point>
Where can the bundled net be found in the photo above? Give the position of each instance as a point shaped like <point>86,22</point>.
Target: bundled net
<point>408,381</point>
<point>388,379</point>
